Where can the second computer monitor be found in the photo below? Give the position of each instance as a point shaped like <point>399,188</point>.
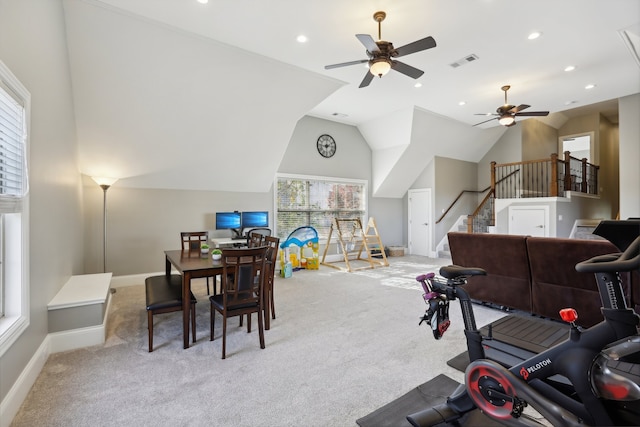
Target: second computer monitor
<point>255,219</point>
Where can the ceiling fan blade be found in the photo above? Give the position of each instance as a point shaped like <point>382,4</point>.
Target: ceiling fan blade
<point>368,42</point>
<point>518,108</point>
<point>495,118</point>
<point>367,79</point>
<point>533,113</point>
<point>417,46</point>
<point>407,70</point>
<point>485,114</point>
<point>344,64</point>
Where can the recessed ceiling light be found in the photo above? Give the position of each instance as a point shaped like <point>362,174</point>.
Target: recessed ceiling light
<point>570,68</point>
<point>570,102</point>
<point>534,35</point>
<point>301,38</point>
<point>589,86</point>
<point>462,103</point>
<point>418,85</point>
<point>203,1</point>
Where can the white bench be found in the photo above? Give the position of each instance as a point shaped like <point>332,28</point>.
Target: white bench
<point>78,312</point>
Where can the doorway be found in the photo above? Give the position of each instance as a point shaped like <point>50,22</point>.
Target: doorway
<point>420,222</point>
<point>579,145</point>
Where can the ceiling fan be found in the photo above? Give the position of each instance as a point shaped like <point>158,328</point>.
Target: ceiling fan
<point>506,114</point>
<point>381,52</point>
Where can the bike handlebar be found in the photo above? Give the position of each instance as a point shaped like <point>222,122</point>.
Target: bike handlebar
<point>628,260</point>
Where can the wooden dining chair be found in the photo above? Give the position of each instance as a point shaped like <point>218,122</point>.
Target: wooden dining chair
<point>257,240</point>
<point>243,278</point>
<point>191,242</point>
<point>273,245</point>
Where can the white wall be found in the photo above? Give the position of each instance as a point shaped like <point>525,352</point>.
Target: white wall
<point>32,45</point>
<point>353,159</point>
<point>629,132</point>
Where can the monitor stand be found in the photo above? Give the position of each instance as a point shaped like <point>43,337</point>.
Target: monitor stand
<point>237,234</point>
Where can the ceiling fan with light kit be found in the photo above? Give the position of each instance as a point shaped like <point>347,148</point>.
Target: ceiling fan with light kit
<point>506,114</point>
<point>382,54</point>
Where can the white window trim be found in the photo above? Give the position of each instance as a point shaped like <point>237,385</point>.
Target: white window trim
<point>16,238</point>
<point>363,182</point>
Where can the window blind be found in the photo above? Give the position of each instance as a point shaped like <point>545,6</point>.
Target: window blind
<point>305,201</point>
<point>12,153</point>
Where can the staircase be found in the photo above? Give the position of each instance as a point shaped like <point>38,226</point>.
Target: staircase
<point>483,221</point>
<point>442,249</point>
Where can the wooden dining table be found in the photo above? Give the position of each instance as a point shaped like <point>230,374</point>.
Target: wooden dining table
<point>194,266</point>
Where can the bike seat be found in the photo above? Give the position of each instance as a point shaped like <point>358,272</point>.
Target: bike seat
<point>455,271</point>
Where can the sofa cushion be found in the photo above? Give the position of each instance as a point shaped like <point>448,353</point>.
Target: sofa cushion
<point>504,257</point>
<point>555,283</point>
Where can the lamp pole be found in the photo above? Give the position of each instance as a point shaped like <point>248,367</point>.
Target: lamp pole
<point>104,187</point>
<point>105,184</point>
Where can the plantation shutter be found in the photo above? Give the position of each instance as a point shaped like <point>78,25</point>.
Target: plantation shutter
<point>13,185</point>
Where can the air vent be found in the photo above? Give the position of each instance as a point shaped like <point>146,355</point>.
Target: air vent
<point>469,58</point>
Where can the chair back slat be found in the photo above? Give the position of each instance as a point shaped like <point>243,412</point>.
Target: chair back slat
<point>244,271</point>
<point>192,240</point>
<point>253,241</point>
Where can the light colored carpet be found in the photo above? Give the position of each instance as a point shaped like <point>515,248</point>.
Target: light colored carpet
<point>342,345</point>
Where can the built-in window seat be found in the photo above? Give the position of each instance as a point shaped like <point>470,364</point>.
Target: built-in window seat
<point>78,312</point>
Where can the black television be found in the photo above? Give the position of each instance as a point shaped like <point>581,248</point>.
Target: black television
<point>255,219</point>
<point>229,221</point>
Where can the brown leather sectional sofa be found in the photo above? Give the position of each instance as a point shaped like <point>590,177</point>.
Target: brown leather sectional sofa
<point>537,274</point>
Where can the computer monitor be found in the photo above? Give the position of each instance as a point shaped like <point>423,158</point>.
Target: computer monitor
<point>255,219</point>
<point>228,221</point>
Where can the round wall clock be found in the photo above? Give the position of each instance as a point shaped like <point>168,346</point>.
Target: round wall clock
<point>326,146</point>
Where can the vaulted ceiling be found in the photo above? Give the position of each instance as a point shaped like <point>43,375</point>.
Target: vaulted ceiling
<point>166,91</point>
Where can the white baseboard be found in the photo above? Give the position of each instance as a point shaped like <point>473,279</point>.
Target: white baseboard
<point>130,280</point>
<point>13,400</point>
<point>53,343</point>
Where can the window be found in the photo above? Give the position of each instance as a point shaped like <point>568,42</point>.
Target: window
<point>312,201</point>
<point>14,290</point>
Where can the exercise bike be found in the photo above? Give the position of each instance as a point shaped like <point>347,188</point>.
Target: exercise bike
<point>592,378</point>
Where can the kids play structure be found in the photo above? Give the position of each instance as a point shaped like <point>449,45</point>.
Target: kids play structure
<point>353,242</point>
<point>299,250</point>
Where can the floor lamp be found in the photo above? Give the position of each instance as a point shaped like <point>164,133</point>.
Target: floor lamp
<point>104,183</point>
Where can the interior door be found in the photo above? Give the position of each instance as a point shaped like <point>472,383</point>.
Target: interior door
<point>420,223</point>
<point>529,220</point>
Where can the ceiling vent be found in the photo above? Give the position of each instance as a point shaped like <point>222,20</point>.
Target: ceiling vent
<point>465,60</point>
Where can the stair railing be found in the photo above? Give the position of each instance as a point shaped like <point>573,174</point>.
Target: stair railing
<point>456,201</point>
<point>549,177</point>
<point>580,175</point>
<point>473,224</point>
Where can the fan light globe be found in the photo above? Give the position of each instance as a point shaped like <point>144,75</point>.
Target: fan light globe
<point>380,68</point>
<point>506,119</point>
